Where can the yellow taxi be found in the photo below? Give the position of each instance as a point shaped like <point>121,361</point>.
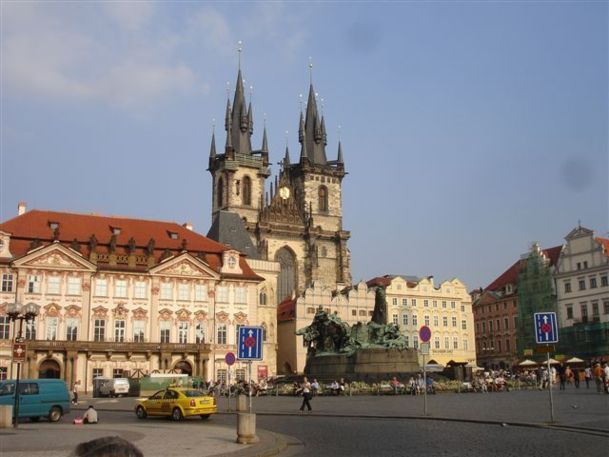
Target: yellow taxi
<point>177,403</point>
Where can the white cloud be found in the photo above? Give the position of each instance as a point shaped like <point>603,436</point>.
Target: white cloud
<point>130,15</point>
<point>46,52</point>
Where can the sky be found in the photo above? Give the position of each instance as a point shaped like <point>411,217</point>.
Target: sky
<point>469,130</point>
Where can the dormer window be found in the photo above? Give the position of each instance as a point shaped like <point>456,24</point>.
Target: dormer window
<point>115,230</point>
<point>173,235</point>
<point>53,225</point>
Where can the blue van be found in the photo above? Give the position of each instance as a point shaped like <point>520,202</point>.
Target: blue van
<point>38,398</point>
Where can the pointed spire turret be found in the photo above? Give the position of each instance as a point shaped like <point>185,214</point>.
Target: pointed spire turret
<point>340,160</point>
<point>301,128</point>
<point>212,148</point>
<point>250,118</point>
<point>324,136</point>
<point>241,119</point>
<point>286,157</point>
<point>313,132</point>
<point>265,144</point>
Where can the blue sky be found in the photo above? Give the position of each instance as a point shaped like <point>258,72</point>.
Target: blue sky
<point>469,129</point>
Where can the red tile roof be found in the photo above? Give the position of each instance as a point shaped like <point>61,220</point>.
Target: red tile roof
<point>73,228</point>
<point>510,276</point>
<point>605,243</point>
<point>286,310</point>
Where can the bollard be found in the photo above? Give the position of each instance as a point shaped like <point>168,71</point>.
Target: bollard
<point>242,403</point>
<point>246,428</point>
<point>6,416</point>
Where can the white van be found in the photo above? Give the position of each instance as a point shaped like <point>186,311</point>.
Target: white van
<point>110,387</point>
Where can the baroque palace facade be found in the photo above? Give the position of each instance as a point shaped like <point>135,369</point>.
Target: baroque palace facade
<point>117,296</point>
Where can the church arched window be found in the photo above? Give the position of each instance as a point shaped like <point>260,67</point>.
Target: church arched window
<point>323,199</point>
<point>286,281</point>
<point>262,298</point>
<point>247,191</point>
<point>220,193</point>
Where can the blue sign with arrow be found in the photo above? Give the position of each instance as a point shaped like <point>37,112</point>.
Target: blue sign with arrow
<point>546,328</point>
<point>250,343</point>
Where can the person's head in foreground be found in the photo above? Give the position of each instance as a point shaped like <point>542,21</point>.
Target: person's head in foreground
<point>107,446</point>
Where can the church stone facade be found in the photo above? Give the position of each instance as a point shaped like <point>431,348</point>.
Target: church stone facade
<point>295,221</point>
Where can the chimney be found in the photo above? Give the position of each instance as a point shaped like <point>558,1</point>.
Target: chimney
<point>21,208</point>
<point>187,225</point>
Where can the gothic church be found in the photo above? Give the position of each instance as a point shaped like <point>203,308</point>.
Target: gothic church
<point>297,220</point>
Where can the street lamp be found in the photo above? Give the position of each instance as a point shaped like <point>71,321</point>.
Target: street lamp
<point>18,312</point>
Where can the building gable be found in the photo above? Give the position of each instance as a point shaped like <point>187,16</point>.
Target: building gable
<point>185,265</point>
<point>55,256</point>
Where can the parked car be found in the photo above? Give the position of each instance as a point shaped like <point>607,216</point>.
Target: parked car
<point>177,403</point>
<point>37,398</point>
<point>110,387</point>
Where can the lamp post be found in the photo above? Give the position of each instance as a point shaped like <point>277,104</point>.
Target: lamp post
<point>18,312</point>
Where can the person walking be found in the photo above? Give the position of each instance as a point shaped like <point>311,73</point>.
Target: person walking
<point>562,376</point>
<point>75,387</point>
<point>598,377</point>
<point>306,394</point>
<point>588,376</point>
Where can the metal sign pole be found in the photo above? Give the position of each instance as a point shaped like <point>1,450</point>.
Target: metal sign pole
<point>550,388</point>
<point>424,387</point>
<point>250,384</point>
<point>229,386</point>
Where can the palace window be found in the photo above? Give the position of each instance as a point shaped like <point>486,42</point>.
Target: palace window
<point>200,333</point>
<point>139,290</point>
<point>310,310</point>
<point>454,321</point>
<point>98,373</point>
<point>354,312</point>
<point>569,312</point>
<point>323,199</point>
<point>30,330</point>
<point>414,320</point>
<point>200,292</point>
<point>455,343</point>
<point>119,330</point>
<point>183,291</point>
<point>362,312</point>
<point>426,320</point>
<point>443,304</point>
<point>453,305</point>
<point>99,330</point>
<point>52,324</point>
<point>183,332</point>
<point>53,285</point>
<point>426,303</point>
<point>240,295</point>
<point>506,323</point>
<point>582,284</point>
<point>592,283</point>
<point>435,321</point>
<point>463,325</point>
<point>606,307</point>
<point>445,321</point>
<point>407,340</point>
<point>436,342</point>
<point>567,285</point>
<point>414,302</point>
<point>595,310</point>
<point>396,320</point>
<point>222,294</point>
<point>117,373</point>
<point>394,301</point>
<point>604,281</point>
<point>101,288</point>
<point>165,329</point>
<point>73,285</point>
<point>71,329</point>
<point>5,326</point>
<point>405,319</point>
<point>415,342</point>
<point>446,343</point>
<point>465,345</point>
<point>435,303</point>
<point>139,331</point>
<point>404,302</point>
<point>7,282</point>
<point>221,337</point>
<point>120,288</point>
<point>33,284</point>
<point>584,311</point>
<point>166,291</point>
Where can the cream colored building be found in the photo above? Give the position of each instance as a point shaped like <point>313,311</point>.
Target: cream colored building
<point>352,305</point>
<point>119,296</point>
<point>446,310</point>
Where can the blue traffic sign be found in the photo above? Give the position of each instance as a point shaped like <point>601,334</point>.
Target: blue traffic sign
<point>249,340</point>
<point>546,328</point>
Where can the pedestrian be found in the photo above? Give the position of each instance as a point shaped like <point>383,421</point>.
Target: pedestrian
<point>588,376</point>
<point>306,394</point>
<point>314,387</point>
<point>598,377</point>
<point>562,375</point>
<point>75,387</point>
<point>395,384</point>
<point>606,378</point>
<point>90,416</point>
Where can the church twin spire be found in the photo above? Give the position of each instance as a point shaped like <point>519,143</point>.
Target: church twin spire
<point>239,126</point>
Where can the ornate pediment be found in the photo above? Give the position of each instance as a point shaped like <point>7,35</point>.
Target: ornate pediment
<point>165,314</point>
<point>120,311</point>
<point>185,266</point>
<point>222,316</point>
<point>183,315</point>
<point>139,314</point>
<point>73,311</point>
<point>100,312</point>
<point>200,315</point>
<point>52,310</point>
<point>240,318</point>
<point>55,256</point>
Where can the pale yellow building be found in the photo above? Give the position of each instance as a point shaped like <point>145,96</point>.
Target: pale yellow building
<point>447,310</point>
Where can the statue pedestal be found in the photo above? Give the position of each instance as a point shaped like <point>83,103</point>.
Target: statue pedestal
<point>370,364</point>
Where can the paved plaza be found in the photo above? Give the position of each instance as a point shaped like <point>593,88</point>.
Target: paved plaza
<point>512,423</point>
